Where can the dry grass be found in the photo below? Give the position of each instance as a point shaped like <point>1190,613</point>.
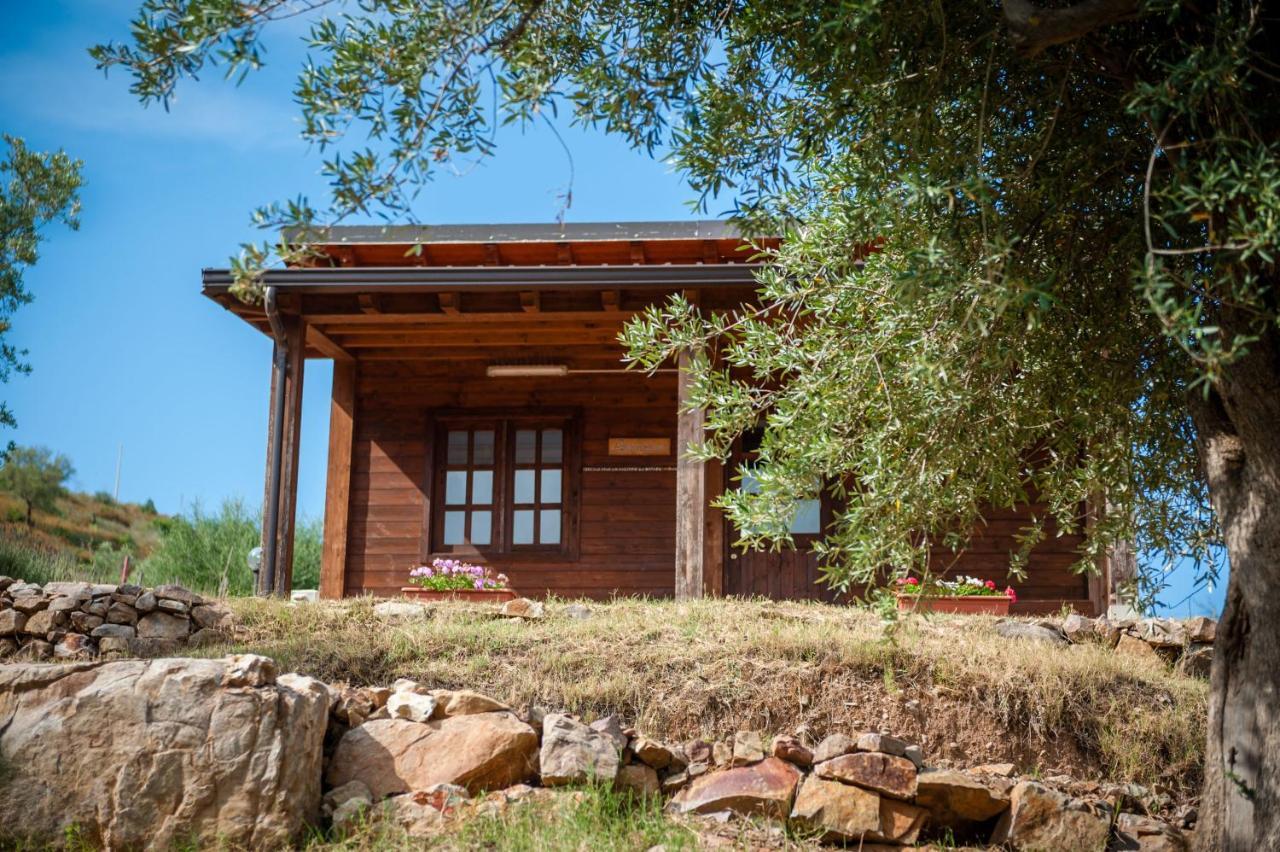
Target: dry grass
<point>709,668</point>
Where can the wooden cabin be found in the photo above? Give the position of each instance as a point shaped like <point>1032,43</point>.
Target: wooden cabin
<point>480,410</point>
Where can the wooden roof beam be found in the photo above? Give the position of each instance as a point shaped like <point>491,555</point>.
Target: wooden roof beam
<point>449,304</point>
<point>564,253</point>
<point>609,299</point>
<point>530,301</point>
<point>637,252</point>
<point>325,344</point>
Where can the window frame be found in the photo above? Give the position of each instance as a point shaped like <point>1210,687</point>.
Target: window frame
<point>744,455</point>
<point>505,423</point>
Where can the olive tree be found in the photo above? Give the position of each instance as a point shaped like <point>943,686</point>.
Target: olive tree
<point>1029,256</point>
<point>36,476</point>
<point>36,189</point>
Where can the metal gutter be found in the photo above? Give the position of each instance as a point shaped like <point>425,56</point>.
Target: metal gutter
<point>510,232</point>
<point>428,279</point>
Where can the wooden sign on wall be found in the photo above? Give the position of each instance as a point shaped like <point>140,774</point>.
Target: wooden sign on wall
<point>639,446</point>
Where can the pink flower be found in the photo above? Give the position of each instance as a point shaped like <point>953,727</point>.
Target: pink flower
<point>991,584</point>
<point>1011,594</point>
<point>912,581</point>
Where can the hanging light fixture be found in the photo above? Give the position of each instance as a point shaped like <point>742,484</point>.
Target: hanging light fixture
<point>505,371</point>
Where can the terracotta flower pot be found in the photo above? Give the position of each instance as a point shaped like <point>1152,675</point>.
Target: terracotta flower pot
<point>473,595</point>
<point>961,604</point>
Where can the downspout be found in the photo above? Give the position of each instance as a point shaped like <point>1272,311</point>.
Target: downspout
<point>279,373</point>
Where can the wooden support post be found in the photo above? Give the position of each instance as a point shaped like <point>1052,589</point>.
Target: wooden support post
<point>691,494</point>
<point>713,550</point>
<point>337,492</point>
<point>295,336</point>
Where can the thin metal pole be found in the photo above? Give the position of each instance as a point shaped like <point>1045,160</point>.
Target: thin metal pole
<point>119,461</point>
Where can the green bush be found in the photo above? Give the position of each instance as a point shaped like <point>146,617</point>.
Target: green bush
<point>206,551</point>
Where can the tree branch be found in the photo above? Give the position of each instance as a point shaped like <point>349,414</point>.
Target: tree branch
<point>1033,29</point>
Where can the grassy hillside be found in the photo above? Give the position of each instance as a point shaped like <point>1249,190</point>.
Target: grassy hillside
<point>84,536</point>
<point>709,668</point>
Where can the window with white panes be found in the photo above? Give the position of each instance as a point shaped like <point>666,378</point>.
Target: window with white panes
<point>501,486</point>
<point>537,487</point>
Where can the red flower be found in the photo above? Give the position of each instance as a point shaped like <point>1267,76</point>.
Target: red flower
<point>1012,595</point>
<point>991,584</point>
<point>912,581</point>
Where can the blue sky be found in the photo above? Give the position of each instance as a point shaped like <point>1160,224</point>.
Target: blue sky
<point>124,348</point>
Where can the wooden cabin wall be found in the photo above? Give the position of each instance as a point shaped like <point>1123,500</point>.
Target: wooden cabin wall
<point>627,518</point>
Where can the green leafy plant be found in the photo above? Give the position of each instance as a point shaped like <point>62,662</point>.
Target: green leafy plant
<point>36,476</point>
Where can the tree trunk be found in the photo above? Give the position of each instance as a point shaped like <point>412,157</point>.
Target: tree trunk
<point>1238,433</point>
<point>30,522</point>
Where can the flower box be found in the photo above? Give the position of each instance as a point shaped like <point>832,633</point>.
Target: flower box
<point>960,604</point>
<point>472,595</point>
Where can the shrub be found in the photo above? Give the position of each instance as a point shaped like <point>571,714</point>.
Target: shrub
<point>206,551</point>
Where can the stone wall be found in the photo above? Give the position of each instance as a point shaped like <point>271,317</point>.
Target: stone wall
<point>1184,643</point>
<point>80,621</point>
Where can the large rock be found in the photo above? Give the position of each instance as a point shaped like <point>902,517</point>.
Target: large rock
<point>764,788</point>
<point>484,751</point>
<point>157,754</point>
<point>1030,632</point>
<point>1201,629</point>
<point>884,773</point>
<point>1044,820</point>
<point>1132,646</point>
<point>573,753</point>
<point>958,801</point>
<point>11,622</point>
<point>834,746</point>
<point>1137,833</point>
<point>841,812</point>
<point>163,625</point>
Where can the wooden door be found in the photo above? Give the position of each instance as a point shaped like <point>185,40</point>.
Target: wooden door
<point>787,574</point>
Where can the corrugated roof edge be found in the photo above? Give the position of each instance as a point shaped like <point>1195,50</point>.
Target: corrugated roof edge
<point>702,229</point>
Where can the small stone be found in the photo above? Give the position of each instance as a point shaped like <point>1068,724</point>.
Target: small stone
<point>834,746</point>
<point>351,790</point>
<point>11,622</point>
<point>162,625</point>
<point>764,788</point>
<point>400,609</point>
<point>1131,646</point>
<point>884,773</point>
<point>748,748</point>
<point>464,702</point>
<point>113,631</point>
<point>915,754</point>
<point>378,695</point>
<point>1030,632</point>
<point>146,602</point>
<point>249,670</point>
<point>956,800</point>
<point>611,727</point>
<point>792,751</point>
<point>177,593</point>
<point>1000,770</point>
<point>98,608</point>
<point>1040,818</point>
<point>1078,628</point>
<point>699,751</point>
<point>39,623</point>
<point>67,603</point>
<point>83,622</point>
<point>676,781</point>
<point>211,616</point>
<point>349,816</point>
<point>697,768</point>
<point>840,812</point>
<point>523,608</point>
<point>120,613</point>
<point>882,743</point>
<point>638,780</point>
<point>404,704</point>
<point>572,753</point>
<point>71,589</point>
<point>722,753</point>
<point>74,646</point>
<point>129,589</point>
<point>177,607</point>
<point>36,649</point>
<point>1197,661</point>
<point>1144,834</point>
<point>30,603</point>
<point>113,646</point>
<point>1200,629</point>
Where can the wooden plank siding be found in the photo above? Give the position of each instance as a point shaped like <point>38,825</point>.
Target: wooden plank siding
<point>626,523</point>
